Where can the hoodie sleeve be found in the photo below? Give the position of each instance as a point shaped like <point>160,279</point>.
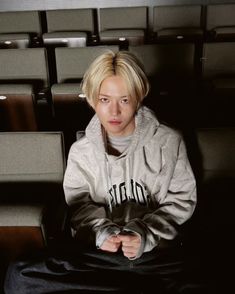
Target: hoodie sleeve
<point>177,200</point>
<point>88,219</point>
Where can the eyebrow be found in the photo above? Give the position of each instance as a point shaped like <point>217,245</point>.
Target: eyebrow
<point>105,95</point>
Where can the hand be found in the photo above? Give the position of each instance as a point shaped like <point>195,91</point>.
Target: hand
<point>130,244</point>
<point>111,244</point>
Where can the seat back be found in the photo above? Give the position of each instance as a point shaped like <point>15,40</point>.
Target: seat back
<point>69,20</point>
<point>171,71</point>
<point>20,22</point>
<point>24,80</point>
<point>220,21</point>
<point>123,18</point>
<point>178,22</point>
<point>218,83</point>
<point>71,63</point>
<point>166,60</point>
<point>218,59</point>
<point>216,147</point>
<point>20,29</point>
<point>177,16</point>
<point>28,66</point>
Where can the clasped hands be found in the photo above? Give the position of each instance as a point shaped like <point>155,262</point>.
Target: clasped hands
<point>128,243</point>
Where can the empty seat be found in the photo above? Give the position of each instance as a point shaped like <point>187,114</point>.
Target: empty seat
<point>24,81</point>
<point>220,21</point>
<point>218,80</point>
<point>71,111</point>
<point>177,23</point>
<point>69,28</point>
<point>123,25</point>
<point>216,147</point>
<point>212,156</point>
<point>31,177</point>
<point>171,71</point>
<point>217,180</point>
<point>20,29</point>
<point>166,60</point>
<point>218,60</point>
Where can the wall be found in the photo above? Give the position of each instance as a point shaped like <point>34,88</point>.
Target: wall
<point>15,5</point>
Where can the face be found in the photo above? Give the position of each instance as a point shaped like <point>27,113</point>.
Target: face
<point>115,108</point>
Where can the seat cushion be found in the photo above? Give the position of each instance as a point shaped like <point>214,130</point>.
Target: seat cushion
<point>132,36</point>
<point>16,89</point>
<point>224,32</point>
<point>21,215</point>
<point>22,40</point>
<point>66,89</point>
<point>180,33</point>
<point>70,39</point>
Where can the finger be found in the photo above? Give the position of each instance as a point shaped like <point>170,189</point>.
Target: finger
<point>129,238</point>
<point>114,239</point>
<point>129,252</point>
<point>110,245</point>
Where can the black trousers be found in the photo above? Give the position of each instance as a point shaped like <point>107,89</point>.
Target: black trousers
<point>75,270</point>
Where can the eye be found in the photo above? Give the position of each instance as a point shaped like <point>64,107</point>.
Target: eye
<point>103,99</point>
<point>125,101</point>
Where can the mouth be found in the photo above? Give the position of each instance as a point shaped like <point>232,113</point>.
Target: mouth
<point>115,122</point>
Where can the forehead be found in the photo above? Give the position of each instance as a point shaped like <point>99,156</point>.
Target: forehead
<point>114,86</point>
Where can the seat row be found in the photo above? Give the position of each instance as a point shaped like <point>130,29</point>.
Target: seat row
<point>33,211</point>
<point>118,25</point>
<point>32,99</point>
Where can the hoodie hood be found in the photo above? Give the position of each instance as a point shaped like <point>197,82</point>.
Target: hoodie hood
<point>146,126</point>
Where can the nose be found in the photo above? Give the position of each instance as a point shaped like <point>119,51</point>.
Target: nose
<point>115,108</point>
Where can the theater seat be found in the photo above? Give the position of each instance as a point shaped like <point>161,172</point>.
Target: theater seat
<point>218,81</point>
<point>20,29</point>
<point>220,22</point>
<point>177,23</point>
<point>69,28</point>
<point>209,245</point>
<point>31,176</point>
<point>123,25</point>
<point>172,73</point>
<point>24,82</point>
<point>216,190</point>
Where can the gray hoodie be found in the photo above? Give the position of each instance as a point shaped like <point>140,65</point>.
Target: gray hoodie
<point>149,189</point>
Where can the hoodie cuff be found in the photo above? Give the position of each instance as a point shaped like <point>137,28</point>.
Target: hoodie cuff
<point>104,233</point>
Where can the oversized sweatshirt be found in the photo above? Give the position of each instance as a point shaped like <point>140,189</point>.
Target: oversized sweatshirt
<point>149,189</point>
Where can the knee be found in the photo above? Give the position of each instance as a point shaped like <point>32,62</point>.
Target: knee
<point>14,279</point>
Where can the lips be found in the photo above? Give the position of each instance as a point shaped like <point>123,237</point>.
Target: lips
<point>115,122</point>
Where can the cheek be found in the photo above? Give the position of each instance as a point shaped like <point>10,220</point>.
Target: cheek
<point>101,112</point>
<point>131,113</point>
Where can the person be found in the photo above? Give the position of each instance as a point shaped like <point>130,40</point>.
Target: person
<point>129,188</point>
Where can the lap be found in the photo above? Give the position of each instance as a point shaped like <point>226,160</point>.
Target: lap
<point>72,269</point>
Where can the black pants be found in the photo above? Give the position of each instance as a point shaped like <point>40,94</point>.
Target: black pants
<point>74,270</point>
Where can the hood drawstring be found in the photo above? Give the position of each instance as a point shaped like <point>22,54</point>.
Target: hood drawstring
<point>108,182</point>
<point>128,177</point>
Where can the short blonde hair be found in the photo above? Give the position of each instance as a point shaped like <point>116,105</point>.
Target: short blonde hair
<point>122,63</point>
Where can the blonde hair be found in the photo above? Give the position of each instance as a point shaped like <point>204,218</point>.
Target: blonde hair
<point>122,63</point>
